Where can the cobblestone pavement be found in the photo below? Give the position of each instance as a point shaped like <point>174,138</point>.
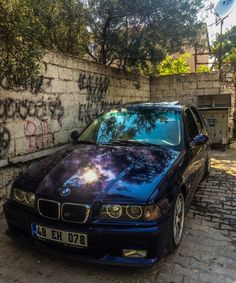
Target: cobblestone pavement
<point>207,252</point>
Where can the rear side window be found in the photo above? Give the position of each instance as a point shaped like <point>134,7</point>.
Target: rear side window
<point>191,124</point>
<point>198,119</point>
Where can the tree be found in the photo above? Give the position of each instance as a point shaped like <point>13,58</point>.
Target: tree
<point>132,34</point>
<point>19,47</point>
<point>231,57</point>
<point>170,65</point>
<point>228,51</point>
<point>203,69</point>
<point>62,24</point>
<point>28,28</point>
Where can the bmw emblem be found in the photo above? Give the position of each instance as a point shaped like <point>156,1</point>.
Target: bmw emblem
<point>64,191</point>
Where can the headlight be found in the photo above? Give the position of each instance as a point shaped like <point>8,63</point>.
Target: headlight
<point>130,212</point>
<point>134,211</point>
<point>114,211</point>
<point>30,199</point>
<point>23,197</point>
<point>152,212</point>
<point>18,195</point>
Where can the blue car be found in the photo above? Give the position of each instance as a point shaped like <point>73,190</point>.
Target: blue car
<point>119,192</point>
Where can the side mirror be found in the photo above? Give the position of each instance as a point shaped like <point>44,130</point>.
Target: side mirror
<point>200,140</point>
<point>74,136</point>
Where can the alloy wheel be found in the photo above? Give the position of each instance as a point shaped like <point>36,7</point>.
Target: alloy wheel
<point>178,223</point>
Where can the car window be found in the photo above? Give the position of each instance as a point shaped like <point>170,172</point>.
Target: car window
<point>198,119</point>
<point>191,124</point>
<point>156,126</point>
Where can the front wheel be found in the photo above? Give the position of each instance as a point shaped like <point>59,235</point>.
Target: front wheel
<point>177,222</point>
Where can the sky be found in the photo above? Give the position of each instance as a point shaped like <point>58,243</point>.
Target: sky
<point>210,20</point>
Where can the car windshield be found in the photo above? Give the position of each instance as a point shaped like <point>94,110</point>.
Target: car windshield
<point>160,127</point>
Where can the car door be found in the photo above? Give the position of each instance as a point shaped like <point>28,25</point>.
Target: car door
<point>195,153</point>
<point>203,131</point>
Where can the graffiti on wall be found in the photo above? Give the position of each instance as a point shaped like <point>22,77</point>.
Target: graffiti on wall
<point>5,139</point>
<point>38,135</point>
<point>12,109</point>
<point>17,109</point>
<point>96,88</point>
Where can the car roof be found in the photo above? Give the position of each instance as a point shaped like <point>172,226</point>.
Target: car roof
<point>152,105</point>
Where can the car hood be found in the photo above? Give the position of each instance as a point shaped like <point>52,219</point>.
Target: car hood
<point>90,173</point>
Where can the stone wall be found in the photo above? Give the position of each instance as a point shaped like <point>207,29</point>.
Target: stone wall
<point>73,91</point>
<point>195,89</point>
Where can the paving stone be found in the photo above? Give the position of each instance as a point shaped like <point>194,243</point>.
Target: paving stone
<point>169,278</point>
<point>191,273</point>
<point>191,280</point>
<point>208,277</point>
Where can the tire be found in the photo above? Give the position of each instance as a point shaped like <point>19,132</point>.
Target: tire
<point>177,222</point>
<point>207,167</point>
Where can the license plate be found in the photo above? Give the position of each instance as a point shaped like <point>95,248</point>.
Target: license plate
<point>63,237</point>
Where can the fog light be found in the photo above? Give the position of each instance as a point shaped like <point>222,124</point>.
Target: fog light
<point>135,253</point>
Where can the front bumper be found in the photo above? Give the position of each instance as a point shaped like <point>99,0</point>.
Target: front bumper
<point>105,244</point>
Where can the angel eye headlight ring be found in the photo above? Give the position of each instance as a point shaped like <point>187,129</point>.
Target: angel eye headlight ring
<point>114,210</point>
<point>134,211</point>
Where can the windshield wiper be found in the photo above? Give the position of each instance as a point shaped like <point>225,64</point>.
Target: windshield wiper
<point>133,142</point>
<point>86,142</point>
